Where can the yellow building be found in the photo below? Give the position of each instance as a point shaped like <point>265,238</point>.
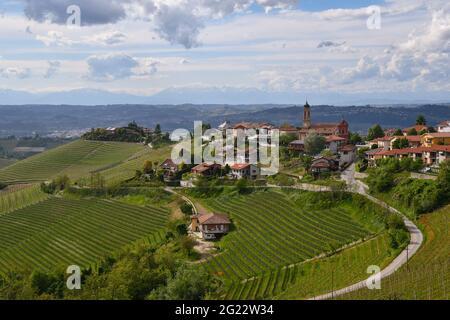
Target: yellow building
<point>435,139</point>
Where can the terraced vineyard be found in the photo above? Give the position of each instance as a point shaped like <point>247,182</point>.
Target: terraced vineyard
<point>61,232</point>
<point>311,278</point>
<point>20,196</point>
<point>75,159</point>
<point>427,275</point>
<point>273,232</point>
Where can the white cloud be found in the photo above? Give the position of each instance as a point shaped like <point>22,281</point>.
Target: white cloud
<point>107,38</point>
<point>13,72</point>
<point>109,67</point>
<point>55,38</point>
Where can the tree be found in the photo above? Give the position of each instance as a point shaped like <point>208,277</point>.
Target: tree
<point>400,143</point>
<point>314,144</point>
<point>412,132</point>
<point>158,129</point>
<point>3,185</point>
<point>189,283</point>
<point>286,139</point>
<point>398,132</point>
<point>443,181</point>
<point>421,121</point>
<point>375,132</point>
<point>148,167</point>
<point>326,153</point>
<point>355,138</point>
<point>186,208</point>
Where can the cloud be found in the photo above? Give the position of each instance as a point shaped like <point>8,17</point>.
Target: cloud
<point>178,22</point>
<point>116,66</point>
<point>423,59</point>
<point>13,72</point>
<point>326,44</point>
<point>92,12</point>
<point>55,38</point>
<point>53,67</point>
<point>107,38</point>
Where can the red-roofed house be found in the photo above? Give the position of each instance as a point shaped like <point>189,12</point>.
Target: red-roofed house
<point>206,169</point>
<point>413,141</point>
<point>333,143</point>
<point>212,226</point>
<point>244,170</point>
<point>437,138</point>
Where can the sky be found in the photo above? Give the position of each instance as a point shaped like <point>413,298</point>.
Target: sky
<point>144,47</point>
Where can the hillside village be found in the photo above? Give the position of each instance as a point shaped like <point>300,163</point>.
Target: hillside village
<point>331,147</point>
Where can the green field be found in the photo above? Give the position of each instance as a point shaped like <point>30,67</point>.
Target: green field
<point>273,232</point>
<point>427,275</point>
<point>61,232</point>
<point>75,159</point>
<point>20,196</point>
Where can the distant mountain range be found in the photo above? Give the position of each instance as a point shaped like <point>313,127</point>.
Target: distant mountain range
<point>213,95</point>
<point>45,119</point>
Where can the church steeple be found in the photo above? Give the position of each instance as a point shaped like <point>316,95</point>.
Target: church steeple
<point>307,115</point>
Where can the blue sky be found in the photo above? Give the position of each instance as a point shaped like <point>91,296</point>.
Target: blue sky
<point>307,46</point>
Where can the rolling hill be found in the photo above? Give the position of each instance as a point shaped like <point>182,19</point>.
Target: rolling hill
<point>75,159</point>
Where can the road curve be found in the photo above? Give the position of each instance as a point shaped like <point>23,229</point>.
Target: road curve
<point>413,246</point>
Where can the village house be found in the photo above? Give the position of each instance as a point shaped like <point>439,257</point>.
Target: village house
<point>444,126</point>
<point>347,155</point>
<point>435,139</point>
<point>211,226</point>
<point>297,146</point>
<point>373,155</point>
<point>383,142</point>
<point>206,170</point>
<point>244,170</point>
<point>333,143</point>
<point>258,127</point>
<point>431,156</point>
<point>170,170</point>
<point>323,165</point>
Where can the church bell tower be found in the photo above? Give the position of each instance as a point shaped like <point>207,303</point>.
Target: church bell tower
<point>307,116</point>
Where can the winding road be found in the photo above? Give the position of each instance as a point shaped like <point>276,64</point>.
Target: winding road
<point>415,242</point>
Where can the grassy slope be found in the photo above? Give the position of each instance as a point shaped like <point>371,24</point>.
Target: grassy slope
<point>62,232</point>
<point>75,159</point>
<point>428,272</point>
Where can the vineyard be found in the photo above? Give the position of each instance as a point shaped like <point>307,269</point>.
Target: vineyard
<point>272,232</point>
<point>427,275</point>
<point>311,278</point>
<point>75,159</point>
<point>61,232</point>
<point>20,196</point>
<point>127,169</point>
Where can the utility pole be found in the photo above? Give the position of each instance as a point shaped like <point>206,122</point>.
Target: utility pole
<point>332,284</point>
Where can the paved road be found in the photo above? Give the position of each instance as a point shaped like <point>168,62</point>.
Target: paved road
<point>414,244</point>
